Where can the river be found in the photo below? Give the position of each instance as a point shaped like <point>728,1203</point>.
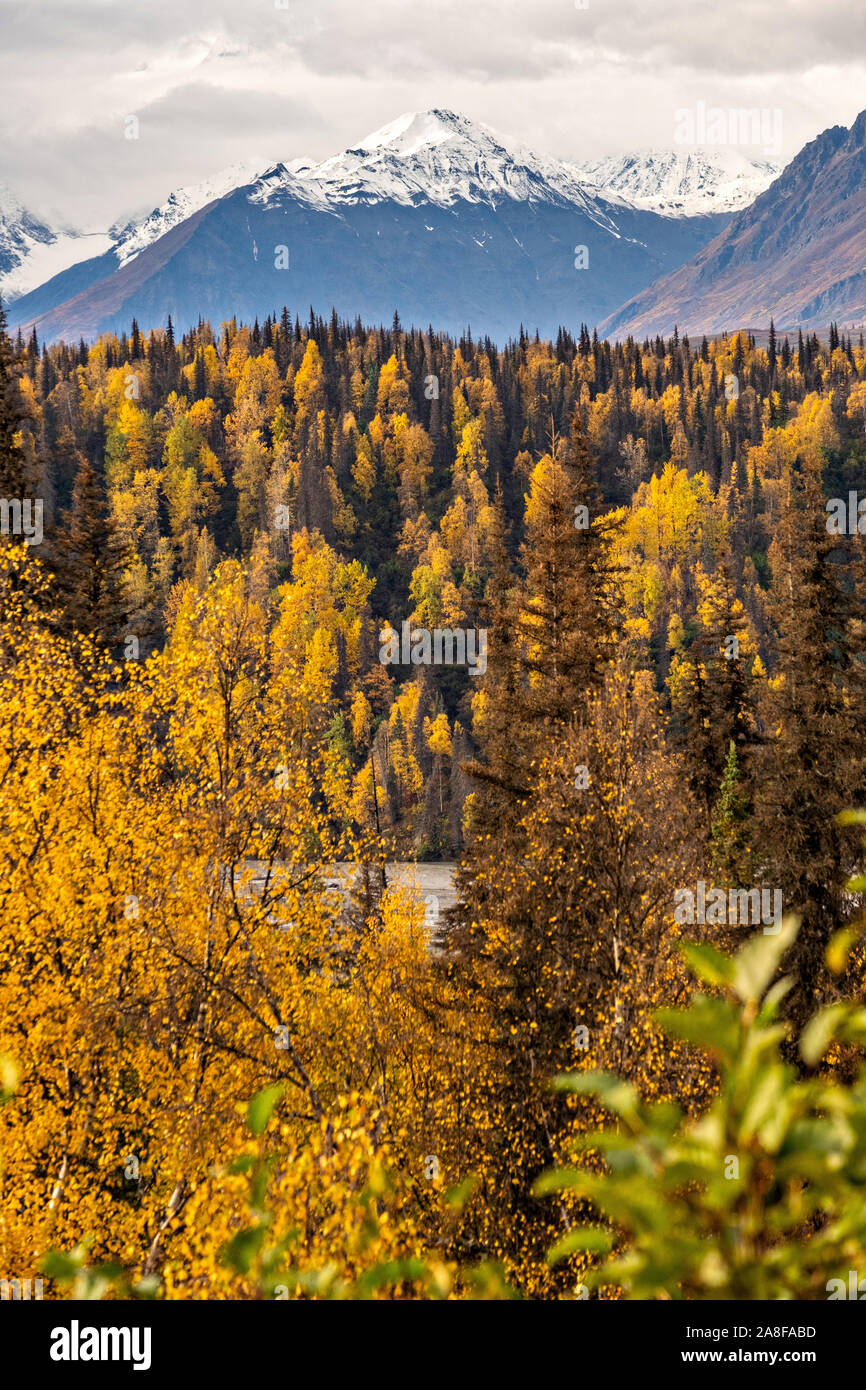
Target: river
<point>433,884</point>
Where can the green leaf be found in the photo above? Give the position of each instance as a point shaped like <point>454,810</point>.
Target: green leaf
<point>243,1248</point>
<point>763,1101</point>
<point>242,1164</point>
<point>58,1265</point>
<point>259,1187</point>
<point>819,1032</point>
<point>708,1023</point>
<point>261,1107</point>
<point>839,948</point>
<point>773,998</point>
<point>558,1179</point>
<point>148,1287</point>
<point>707,964</point>
<point>591,1239</point>
<point>457,1196</point>
<point>853,1028</point>
<point>614,1094</point>
<point>757,962</point>
<point>392,1272</point>
<point>815,1138</point>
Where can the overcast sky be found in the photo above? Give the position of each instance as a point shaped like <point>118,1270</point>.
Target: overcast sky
<point>213,82</point>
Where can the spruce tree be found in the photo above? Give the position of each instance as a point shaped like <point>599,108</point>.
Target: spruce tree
<point>551,636</point>
<point>567,611</point>
<point>550,645</point>
<point>813,766</point>
<point>719,700</point>
<point>730,835</point>
<point>12,467</point>
<point>89,561</point>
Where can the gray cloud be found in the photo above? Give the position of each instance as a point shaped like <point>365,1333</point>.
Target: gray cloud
<point>217,82</point>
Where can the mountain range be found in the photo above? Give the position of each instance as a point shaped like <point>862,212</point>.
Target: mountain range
<point>681,184</point>
<point>431,215</point>
<point>797,254</point>
<point>434,217</point>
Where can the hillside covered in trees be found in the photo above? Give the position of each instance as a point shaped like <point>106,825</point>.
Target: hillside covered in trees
<point>237,526</point>
<point>390,471</point>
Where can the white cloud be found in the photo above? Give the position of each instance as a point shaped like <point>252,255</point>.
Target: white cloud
<point>217,82</point>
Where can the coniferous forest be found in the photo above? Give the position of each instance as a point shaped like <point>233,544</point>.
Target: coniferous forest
<point>625,1064</point>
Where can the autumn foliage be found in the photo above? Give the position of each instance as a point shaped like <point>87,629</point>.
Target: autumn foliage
<point>224,1078</point>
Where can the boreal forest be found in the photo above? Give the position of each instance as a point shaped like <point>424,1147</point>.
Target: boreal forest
<point>225,560</point>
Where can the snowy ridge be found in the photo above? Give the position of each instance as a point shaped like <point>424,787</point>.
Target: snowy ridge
<point>20,232</point>
<point>680,184</point>
<point>32,252</point>
<point>439,157</point>
<point>41,260</point>
<point>283,181</point>
<point>136,236</point>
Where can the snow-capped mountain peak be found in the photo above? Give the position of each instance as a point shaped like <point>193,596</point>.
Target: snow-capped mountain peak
<point>31,252</point>
<point>440,157</point>
<point>20,231</point>
<point>681,183</point>
<point>135,236</point>
<point>415,130</point>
